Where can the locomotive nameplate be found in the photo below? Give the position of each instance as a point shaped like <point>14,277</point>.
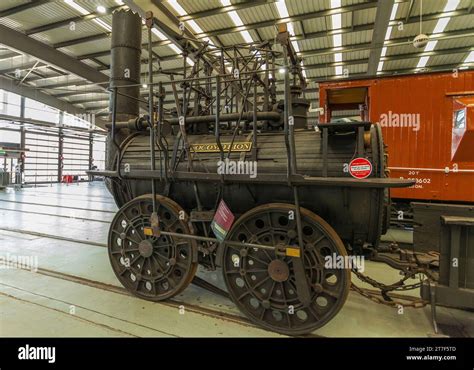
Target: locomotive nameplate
<point>213,148</point>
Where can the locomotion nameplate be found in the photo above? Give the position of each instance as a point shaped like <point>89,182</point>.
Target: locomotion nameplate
<point>213,148</point>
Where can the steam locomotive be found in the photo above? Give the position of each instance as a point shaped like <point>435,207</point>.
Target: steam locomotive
<point>270,230</point>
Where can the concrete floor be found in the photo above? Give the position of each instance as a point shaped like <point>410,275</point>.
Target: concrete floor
<point>75,292</point>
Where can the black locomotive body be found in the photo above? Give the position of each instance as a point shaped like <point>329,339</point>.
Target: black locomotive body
<point>356,213</point>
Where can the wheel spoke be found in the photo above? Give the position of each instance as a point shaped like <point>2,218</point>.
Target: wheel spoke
<point>239,298</point>
<point>130,224</point>
<point>314,313</point>
<point>261,282</point>
<point>270,291</point>
<point>331,294</point>
<point>129,250</point>
<point>257,259</point>
<point>232,272</point>
<point>160,266</point>
<point>135,259</point>
<point>161,256</point>
<point>126,238</point>
<point>182,265</point>
<point>320,239</point>
<point>256,270</point>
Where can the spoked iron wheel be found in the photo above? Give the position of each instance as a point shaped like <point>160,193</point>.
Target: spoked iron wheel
<point>262,283</point>
<point>153,268</point>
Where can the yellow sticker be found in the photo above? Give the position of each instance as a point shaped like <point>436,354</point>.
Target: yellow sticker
<point>148,231</point>
<point>213,148</point>
<point>293,252</point>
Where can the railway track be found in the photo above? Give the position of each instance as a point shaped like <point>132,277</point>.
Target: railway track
<point>54,215</point>
<point>120,290</point>
<point>241,320</point>
<point>56,237</point>
<point>108,327</point>
<point>58,206</point>
<point>72,196</point>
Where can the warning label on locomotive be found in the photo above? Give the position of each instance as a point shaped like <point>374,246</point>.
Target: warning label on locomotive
<point>212,148</point>
<point>222,221</point>
<point>360,168</point>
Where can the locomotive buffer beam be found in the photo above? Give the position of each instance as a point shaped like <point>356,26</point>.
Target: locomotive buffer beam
<point>275,179</point>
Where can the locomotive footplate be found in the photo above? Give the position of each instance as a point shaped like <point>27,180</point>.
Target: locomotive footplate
<point>276,179</point>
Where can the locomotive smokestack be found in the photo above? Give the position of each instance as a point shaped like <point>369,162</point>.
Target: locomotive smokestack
<point>125,62</point>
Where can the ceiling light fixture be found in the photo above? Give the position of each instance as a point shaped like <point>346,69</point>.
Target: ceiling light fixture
<point>83,11</point>
<point>469,58</point>
<point>336,20</point>
<point>104,25</point>
<point>192,23</point>
<point>79,8</point>
<point>388,34</point>
<point>238,22</point>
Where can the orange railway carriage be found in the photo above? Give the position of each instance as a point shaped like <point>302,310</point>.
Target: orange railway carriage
<point>428,125</point>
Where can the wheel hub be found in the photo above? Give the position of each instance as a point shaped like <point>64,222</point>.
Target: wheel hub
<point>145,248</point>
<point>278,271</point>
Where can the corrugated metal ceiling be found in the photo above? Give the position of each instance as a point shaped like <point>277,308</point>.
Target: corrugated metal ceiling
<point>305,29</point>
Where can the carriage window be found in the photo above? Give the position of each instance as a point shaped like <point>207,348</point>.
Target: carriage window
<point>460,118</point>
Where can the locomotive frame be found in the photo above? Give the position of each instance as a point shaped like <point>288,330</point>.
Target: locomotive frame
<point>155,244</point>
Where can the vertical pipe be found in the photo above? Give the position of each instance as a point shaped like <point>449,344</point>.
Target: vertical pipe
<point>266,105</point>
<point>184,112</point>
<point>163,147</point>
<point>286,87</point>
<point>291,123</point>
<point>151,115</point>
<point>91,152</point>
<point>218,113</point>
<point>22,138</point>
<point>325,151</point>
<point>303,290</point>
<point>60,153</point>
<point>254,136</point>
<point>274,77</point>
<point>360,141</point>
<point>114,129</point>
<point>236,65</point>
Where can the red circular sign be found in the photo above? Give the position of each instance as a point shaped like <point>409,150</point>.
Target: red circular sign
<point>360,168</point>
